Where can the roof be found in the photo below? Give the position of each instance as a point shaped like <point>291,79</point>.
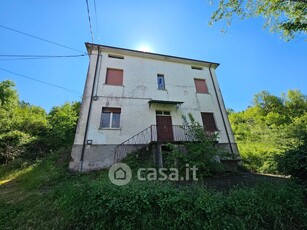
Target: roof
<point>136,53</point>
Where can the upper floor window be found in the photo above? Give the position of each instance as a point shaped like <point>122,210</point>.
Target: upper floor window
<point>110,117</point>
<point>115,56</point>
<point>161,83</point>
<point>196,67</point>
<point>114,76</point>
<point>201,86</point>
<point>209,122</point>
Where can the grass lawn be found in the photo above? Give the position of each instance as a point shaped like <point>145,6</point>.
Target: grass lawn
<point>44,195</point>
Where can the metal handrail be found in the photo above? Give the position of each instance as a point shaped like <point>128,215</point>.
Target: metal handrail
<point>145,137</point>
<point>130,144</point>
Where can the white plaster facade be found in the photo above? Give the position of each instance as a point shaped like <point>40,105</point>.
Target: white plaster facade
<point>140,71</point>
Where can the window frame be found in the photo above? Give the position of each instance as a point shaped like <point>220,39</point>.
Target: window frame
<point>161,76</point>
<point>163,113</point>
<point>116,56</point>
<point>196,67</point>
<point>107,79</point>
<point>213,122</point>
<point>205,91</point>
<point>111,111</point>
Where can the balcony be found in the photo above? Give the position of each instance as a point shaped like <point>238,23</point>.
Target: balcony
<point>156,134</point>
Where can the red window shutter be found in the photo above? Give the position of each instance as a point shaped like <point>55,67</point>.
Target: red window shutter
<point>208,121</point>
<point>114,77</point>
<point>201,86</point>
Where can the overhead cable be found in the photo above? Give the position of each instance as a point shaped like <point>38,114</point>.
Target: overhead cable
<point>14,57</point>
<point>89,20</point>
<point>42,39</point>
<point>40,81</point>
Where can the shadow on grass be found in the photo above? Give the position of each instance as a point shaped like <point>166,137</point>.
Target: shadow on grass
<point>226,182</point>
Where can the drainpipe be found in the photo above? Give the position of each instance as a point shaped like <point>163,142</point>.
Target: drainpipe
<point>220,107</point>
<point>89,112</point>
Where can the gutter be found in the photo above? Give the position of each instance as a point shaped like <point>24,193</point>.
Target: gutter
<point>89,113</point>
<point>220,107</point>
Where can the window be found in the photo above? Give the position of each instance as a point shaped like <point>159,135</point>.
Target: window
<point>165,113</point>
<point>115,56</point>
<point>114,77</point>
<point>158,112</point>
<point>201,86</point>
<point>209,122</point>
<point>196,67</point>
<point>161,84</point>
<point>110,118</point>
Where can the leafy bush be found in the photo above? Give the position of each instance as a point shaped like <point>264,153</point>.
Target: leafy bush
<point>202,152</point>
<point>140,159</point>
<point>164,206</point>
<point>45,196</point>
<point>293,162</point>
<point>12,145</point>
<point>63,121</point>
<point>258,157</point>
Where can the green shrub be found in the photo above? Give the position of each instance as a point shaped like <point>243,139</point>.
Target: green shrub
<point>47,197</point>
<point>12,145</point>
<point>258,156</point>
<point>87,205</point>
<point>140,159</point>
<point>293,162</point>
<point>201,152</point>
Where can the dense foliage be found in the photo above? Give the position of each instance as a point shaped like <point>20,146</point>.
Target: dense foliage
<point>271,131</point>
<point>45,196</point>
<point>163,206</point>
<point>286,17</point>
<point>202,152</point>
<point>27,131</point>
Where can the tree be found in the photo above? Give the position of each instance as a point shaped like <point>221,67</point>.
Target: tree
<point>63,121</point>
<point>296,103</point>
<point>8,105</point>
<point>27,131</point>
<point>288,17</point>
<point>272,126</point>
<point>268,103</point>
<point>8,95</point>
<point>30,119</point>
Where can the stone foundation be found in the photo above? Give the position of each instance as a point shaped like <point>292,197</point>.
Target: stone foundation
<point>96,157</point>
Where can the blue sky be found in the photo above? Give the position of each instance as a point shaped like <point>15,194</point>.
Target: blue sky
<point>252,59</point>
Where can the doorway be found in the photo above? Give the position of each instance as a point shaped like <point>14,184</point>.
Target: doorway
<point>164,126</point>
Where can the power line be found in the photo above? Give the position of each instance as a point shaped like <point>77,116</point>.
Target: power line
<point>30,55</point>
<point>96,18</point>
<point>89,20</point>
<point>35,57</point>
<point>40,81</point>
<point>42,39</point>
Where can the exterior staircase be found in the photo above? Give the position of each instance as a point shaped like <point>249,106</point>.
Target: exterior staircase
<point>149,136</point>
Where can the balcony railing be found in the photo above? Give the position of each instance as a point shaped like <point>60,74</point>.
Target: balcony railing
<point>154,133</point>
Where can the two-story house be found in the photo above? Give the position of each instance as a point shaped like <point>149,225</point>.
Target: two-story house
<point>133,98</point>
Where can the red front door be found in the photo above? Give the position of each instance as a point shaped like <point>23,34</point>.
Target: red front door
<point>164,128</point>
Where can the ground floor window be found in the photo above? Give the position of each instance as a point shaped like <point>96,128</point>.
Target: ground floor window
<point>110,117</point>
<point>209,122</point>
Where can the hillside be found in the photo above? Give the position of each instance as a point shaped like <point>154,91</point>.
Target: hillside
<point>44,195</point>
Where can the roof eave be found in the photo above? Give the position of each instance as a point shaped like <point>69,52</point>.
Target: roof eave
<point>124,51</point>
